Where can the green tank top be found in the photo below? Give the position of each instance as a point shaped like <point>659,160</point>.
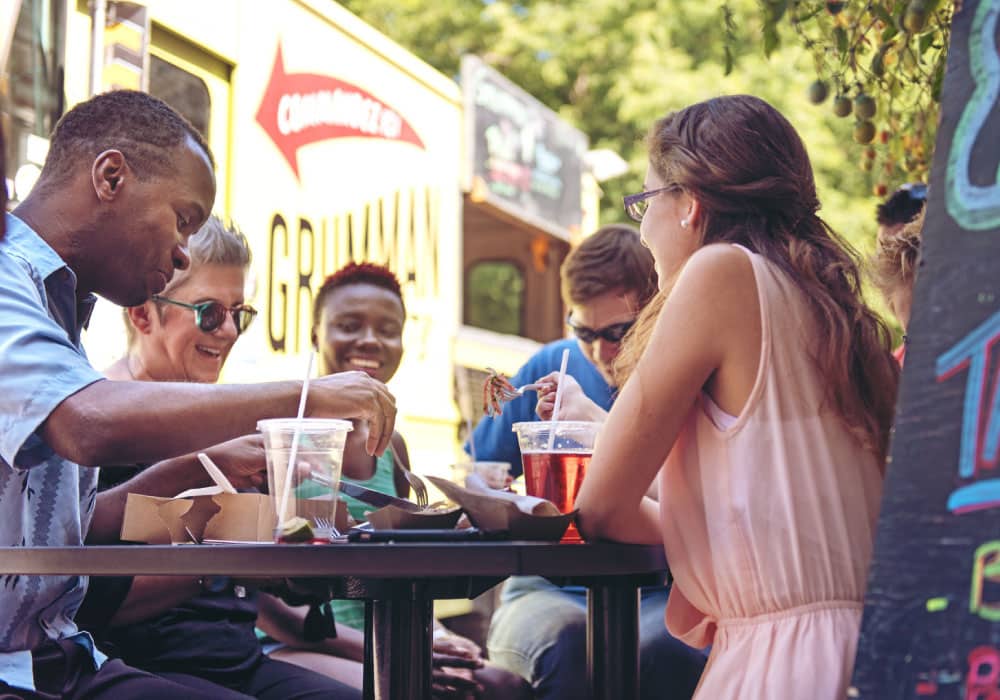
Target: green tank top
<point>352,612</point>
<point>381,481</point>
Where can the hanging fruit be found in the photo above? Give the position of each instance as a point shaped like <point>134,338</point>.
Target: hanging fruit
<point>864,132</point>
<point>864,106</point>
<point>842,106</point>
<point>818,92</point>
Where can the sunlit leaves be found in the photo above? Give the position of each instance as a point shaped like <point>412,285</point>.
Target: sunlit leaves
<point>891,50</point>
<point>611,67</point>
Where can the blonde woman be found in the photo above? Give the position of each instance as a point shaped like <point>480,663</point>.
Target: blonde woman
<point>196,632</point>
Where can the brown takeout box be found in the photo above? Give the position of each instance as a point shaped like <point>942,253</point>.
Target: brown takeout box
<point>393,518</point>
<point>524,517</point>
<point>204,514</point>
<point>199,515</point>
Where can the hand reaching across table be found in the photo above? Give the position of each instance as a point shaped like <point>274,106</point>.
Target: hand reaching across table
<point>354,394</point>
<point>242,461</point>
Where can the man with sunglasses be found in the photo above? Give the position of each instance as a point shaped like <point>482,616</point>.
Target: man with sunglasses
<point>539,630</point>
<point>126,182</point>
<point>606,280</point>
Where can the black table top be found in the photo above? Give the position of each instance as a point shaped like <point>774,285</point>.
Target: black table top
<point>384,560</point>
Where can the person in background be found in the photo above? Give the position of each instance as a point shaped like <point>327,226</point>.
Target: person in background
<point>197,632</point>
<point>125,184</point>
<point>163,344</point>
<point>894,270</point>
<point>539,629</point>
<point>897,252</point>
<point>900,208</point>
<point>606,280</point>
<point>767,426</point>
<point>358,318</point>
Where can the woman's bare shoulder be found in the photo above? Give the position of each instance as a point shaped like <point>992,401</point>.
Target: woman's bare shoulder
<point>720,271</point>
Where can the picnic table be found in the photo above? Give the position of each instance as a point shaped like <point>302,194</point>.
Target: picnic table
<point>400,581</point>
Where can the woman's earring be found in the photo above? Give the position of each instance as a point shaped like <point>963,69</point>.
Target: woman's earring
<point>684,222</point>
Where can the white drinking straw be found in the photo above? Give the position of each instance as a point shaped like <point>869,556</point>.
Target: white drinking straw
<point>283,510</point>
<point>555,407</point>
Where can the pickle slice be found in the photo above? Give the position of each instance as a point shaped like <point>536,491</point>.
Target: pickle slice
<point>295,530</point>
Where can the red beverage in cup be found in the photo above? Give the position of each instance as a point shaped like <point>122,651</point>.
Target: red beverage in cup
<point>556,477</point>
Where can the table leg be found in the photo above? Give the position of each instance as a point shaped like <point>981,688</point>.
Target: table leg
<point>401,632</point>
<point>368,659</point>
<point>613,640</point>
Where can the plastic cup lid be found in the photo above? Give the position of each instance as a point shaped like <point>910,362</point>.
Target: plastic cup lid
<point>305,425</point>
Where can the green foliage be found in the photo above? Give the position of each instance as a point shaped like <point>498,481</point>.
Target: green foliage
<point>495,297</point>
<point>611,67</point>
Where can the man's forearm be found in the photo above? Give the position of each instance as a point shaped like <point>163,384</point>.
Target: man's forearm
<point>285,623</point>
<point>150,596</point>
<point>112,422</point>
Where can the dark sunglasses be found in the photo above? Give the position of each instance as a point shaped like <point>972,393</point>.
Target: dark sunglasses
<point>636,204</point>
<point>612,334</point>
<point>210,315</point>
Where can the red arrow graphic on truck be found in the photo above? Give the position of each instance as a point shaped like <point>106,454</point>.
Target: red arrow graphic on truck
<point>299,109</point>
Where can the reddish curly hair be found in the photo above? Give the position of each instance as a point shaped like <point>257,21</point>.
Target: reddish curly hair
<point>357,273</point>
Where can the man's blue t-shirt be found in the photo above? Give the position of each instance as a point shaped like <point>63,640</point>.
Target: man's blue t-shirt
<point>495,441</point>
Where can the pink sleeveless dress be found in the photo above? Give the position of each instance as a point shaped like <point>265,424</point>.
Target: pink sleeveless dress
<point>768,524</point>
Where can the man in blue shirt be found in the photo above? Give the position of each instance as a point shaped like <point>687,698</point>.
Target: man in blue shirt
<point>539,630</point>
<point>127,180</point>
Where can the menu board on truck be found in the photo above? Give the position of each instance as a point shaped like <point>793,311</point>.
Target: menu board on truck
<point>521,157</point>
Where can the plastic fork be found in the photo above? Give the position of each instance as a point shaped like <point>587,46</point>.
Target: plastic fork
<point>325,525</point>
<point>416,483</point>
<point>497,391</point>
<point>419,490</point>
<point>511,394</point>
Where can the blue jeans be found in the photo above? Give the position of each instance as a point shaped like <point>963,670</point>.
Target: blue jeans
<point>542,637</point>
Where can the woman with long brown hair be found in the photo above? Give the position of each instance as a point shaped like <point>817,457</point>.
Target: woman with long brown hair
<point>760,388</point>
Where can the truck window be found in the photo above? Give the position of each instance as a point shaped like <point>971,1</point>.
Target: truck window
<point>31,88</point>
<point>494,296</point>
<point>186,93</point>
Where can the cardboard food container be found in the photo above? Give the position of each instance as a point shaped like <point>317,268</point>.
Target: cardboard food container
<point>204,514</point>
<point>524,517</point>
<point>393,518</point>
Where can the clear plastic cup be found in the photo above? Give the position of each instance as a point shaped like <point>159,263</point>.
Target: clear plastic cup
<point>555,456</point>
<point>495,474</point>
<point>314,483</point>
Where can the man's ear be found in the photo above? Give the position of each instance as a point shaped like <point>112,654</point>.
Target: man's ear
<point>315,339</point>
<point>141,317</point>
<point>109,174</point>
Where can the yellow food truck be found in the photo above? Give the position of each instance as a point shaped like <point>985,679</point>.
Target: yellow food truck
<point>334,144</point>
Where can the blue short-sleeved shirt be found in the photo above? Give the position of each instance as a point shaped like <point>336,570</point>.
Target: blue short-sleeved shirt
<point>45,500</point>
<point>495,441</point>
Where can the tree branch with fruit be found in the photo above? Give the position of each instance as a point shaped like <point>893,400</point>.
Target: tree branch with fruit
<point>878,62</point>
